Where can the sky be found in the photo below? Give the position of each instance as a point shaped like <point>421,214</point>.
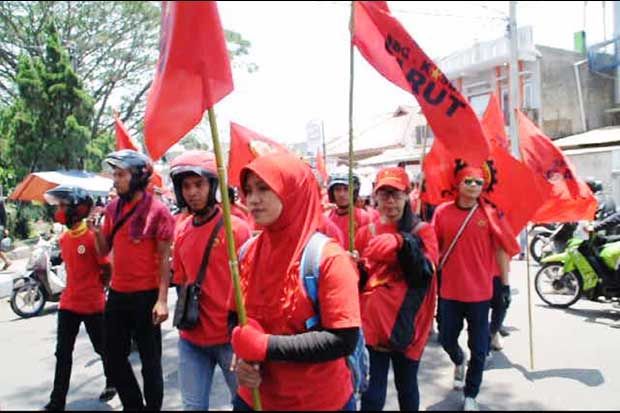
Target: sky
<point>302,51</point>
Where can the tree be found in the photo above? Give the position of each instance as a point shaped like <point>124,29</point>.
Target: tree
<point>113,47</point>
<point>48,125</point>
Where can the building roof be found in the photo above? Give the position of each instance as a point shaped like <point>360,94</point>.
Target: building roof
<point>394,156</point>
<point>608,136</point>
<point>590,150</point>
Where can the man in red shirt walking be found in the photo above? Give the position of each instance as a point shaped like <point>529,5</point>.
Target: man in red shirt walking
<point>338,192</point>
<point>207,344</point>
<point>83,299</point>
<point>466,284</point>
<point>138,229</point>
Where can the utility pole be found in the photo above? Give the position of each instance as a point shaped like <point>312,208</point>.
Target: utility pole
<point>514,79</point>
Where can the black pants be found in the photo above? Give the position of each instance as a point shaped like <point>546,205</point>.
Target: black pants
<point>129,315</point>
<point>68,328</point>
<point>498,309</point>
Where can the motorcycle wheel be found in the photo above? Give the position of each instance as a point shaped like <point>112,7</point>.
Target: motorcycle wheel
<point>536,247</point>
<point>557,288</point>
<point>28,300</point>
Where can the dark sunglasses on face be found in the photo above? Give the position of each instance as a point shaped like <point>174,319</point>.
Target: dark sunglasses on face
<point>385,195</point>
<point>473,181</point>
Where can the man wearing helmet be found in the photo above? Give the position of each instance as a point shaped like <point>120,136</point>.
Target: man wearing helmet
<point>138,229</point>
<point>207,344</point>
<point>83,299</point>
<point>338,193</point>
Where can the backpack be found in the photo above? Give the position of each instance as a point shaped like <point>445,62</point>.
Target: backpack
<point>358,362</point>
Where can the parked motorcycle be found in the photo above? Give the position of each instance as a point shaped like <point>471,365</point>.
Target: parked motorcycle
<point>587,268</point>
<point>548,239</point>
<point>43,281</point>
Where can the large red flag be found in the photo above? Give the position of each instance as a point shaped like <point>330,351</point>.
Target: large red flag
<point>193,73</point>
<point>569,198</point>
<point>245,146</point>
<point>387,46</point>
<point>123,140</point>
<point>493,123</point>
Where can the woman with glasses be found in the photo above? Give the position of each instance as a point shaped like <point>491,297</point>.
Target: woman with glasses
<point>466,284</point>
<point>398,256</point>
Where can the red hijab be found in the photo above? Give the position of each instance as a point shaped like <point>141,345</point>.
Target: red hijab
<point>270,278</point>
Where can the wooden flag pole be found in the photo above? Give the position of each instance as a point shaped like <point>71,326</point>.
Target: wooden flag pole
<point>230,241</point>
<point>421,181</point>
<point>351,189</point>
<point>529,299</point>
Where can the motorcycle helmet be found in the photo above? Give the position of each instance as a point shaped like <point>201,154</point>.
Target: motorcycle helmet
<point>342,179</point>
<point>77,200</point>
<point>138,164</point>
<point>197,163</point>
<point>595,185</point>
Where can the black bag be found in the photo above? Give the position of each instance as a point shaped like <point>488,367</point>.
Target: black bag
<point>187,310</point>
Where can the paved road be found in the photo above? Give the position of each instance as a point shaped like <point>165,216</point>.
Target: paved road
<point>577,363</point>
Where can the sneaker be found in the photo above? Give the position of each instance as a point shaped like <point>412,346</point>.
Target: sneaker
<point>496,342</point>
<point>107,394</point>
<point>459,376</point>
<point>51,406</point>
<point>470,405</point>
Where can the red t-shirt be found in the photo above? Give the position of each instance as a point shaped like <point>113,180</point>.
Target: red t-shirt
<point>467,274</point>
<point>179,223</point>
<point>342,222</point>
<point>330,229</point>
<point>386,290</point>
<point>313,386</point>
<point>84,291</point>
<point>216,288</point>
<point>135,262</point>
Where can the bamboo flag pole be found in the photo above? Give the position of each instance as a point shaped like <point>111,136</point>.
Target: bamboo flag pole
<point>230,242</point>
<point>351,189</point>
<point>529,299</point>
<point>421,181</point>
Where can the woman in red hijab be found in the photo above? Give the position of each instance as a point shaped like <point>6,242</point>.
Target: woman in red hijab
<point>293,368</point>
<point>399,252</point>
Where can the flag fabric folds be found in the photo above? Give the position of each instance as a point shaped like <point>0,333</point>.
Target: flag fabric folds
<point>245,146</point>
<point>387,46</point>
<point>193,73</point>
<point>569,198</point>
<point>123,140</point>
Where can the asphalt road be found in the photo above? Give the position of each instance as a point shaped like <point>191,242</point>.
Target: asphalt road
<point>576,362</point>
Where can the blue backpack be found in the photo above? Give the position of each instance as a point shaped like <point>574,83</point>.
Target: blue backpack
<point>358,361</point>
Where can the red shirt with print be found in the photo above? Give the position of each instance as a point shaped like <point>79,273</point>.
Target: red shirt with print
<point>313,386</point>
<point>84,291</point>
<point>135,262</point>
<point>342,222</point>
<point>216,288</point>
<point>467,274</point>
<point>386,290</point>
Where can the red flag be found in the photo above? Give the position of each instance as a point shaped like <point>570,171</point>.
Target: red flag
<point>493,123</point>
<point>193,73</point>
<point>569,198</point>
<point>123,140</point>
<point>245,146</point>
<point>320,165</point>
<point>387,46</point>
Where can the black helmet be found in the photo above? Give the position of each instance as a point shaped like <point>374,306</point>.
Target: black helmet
<point>138,164</point>
<point>595,184</point>
<point>78,201</point>
<point>198,163</point>
<point>342,179</point>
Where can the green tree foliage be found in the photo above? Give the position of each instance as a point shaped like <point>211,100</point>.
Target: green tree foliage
<point>48,126</point>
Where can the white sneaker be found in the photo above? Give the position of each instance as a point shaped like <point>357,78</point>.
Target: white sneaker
<point>496,342</point>
<point>459,376</point>
<point>470,405</point>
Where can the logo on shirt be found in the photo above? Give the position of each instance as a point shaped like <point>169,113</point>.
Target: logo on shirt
<point>81,250</point>
<point>482,223</point>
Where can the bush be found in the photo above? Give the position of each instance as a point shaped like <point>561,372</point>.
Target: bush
<point>21,216</point>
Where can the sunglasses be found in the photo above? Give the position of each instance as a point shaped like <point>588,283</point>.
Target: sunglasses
<point>385,195</point>
<point>473,181</point>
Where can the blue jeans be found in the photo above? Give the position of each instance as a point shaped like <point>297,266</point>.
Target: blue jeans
<point>196,367</point>
<point>477,315</point>
<point>498,309</point>
<point>405,379</point>
<point>240,406</point>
